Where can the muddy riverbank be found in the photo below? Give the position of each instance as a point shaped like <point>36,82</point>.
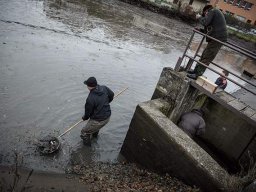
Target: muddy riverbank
<point>94,178</point>
<point>127,177</point>
<point>174,13</point>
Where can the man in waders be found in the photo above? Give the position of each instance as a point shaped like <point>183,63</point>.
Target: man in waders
<point>97,108</point>
<point>215,26</point>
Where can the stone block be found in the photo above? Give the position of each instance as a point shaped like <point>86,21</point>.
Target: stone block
<point>238,105</point>
<point>225,96</point>
<point>248,111</point>
<point>156,143</point>
<point>254,117</point>
<point>177,92</point>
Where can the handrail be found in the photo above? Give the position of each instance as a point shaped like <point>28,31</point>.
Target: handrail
<point>232,73</point>
<point>229,45</point>
<point>221,75</point>
<point>253,56</point>
<point>246,50</point>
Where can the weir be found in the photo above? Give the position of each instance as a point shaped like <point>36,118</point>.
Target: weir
<point>157,143</point>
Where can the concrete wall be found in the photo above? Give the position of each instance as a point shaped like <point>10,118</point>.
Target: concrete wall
<point>176,90</point>
<point>230,124</point>
<point>155,142</point>
<point>226,130</point>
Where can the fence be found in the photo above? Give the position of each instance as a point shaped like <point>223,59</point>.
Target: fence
<point>234,47</point>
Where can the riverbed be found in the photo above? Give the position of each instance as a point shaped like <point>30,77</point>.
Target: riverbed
<point>48,48</point>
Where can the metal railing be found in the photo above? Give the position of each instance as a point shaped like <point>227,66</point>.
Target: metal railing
<point>234,47</point>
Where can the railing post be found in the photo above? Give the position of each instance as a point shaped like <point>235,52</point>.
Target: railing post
<point>177,66</point>
<point>189,65</point>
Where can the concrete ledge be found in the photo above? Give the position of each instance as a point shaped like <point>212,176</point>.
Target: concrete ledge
<point>155,142</point>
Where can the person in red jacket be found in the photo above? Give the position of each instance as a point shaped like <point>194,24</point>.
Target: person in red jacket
<point>97,109</point>
<point>222,81</point>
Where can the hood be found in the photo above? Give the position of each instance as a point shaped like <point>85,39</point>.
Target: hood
<point>198,111</point>
<point>98,90</point>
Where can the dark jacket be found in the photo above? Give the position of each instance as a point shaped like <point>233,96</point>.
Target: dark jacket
<point>97,103</point>
<point>221,82</point>
<point>192,123</point>
<point>215,24</point>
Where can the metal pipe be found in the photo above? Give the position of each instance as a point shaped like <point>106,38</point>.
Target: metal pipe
<point>198,48</point>
<point>192,36</point>
<point>190,62</point>
<point>178,64</point>
<point>227,45</point>
<point>237,46</point>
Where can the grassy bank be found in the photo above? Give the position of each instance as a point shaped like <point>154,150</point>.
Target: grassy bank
<point>244,36</point>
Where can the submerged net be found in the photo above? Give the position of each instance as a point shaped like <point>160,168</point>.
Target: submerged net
<point>48,145</point>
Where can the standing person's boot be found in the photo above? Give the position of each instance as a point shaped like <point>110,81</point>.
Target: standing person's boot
<point>192,76</point>
<point>191,71</point>
<point>87,140</point>
<point>95,134</point>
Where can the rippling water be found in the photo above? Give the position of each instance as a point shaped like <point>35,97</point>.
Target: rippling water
<point>48,48</point>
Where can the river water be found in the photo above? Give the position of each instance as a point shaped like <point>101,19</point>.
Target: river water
<point>48,48</point>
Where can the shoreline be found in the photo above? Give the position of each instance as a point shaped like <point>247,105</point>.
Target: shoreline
<point>91,177</point>
<point>174,13</point>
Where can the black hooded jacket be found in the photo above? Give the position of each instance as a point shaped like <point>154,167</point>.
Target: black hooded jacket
<point>97,103</point>
<point>215,24</point>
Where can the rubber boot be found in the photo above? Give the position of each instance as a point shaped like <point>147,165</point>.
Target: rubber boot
<point>95,135</point>
<point>87,140</point>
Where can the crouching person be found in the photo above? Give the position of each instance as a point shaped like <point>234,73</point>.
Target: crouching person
<point>192,123</point>
<point>97,109</point>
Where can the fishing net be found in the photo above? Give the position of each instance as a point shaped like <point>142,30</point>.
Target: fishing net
<point>48,145</point>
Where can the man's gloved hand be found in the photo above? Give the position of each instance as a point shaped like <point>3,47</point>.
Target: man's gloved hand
<point>198,16</point>
<point>199,29</point>
<point>83,118</point>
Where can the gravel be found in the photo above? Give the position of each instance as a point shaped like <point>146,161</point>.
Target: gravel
<point>127,177</point>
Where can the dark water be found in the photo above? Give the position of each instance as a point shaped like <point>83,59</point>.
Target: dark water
<point>48,48</point>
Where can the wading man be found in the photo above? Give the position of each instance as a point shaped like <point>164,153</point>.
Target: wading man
<point>215,26</point>
<point>97,109</point>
